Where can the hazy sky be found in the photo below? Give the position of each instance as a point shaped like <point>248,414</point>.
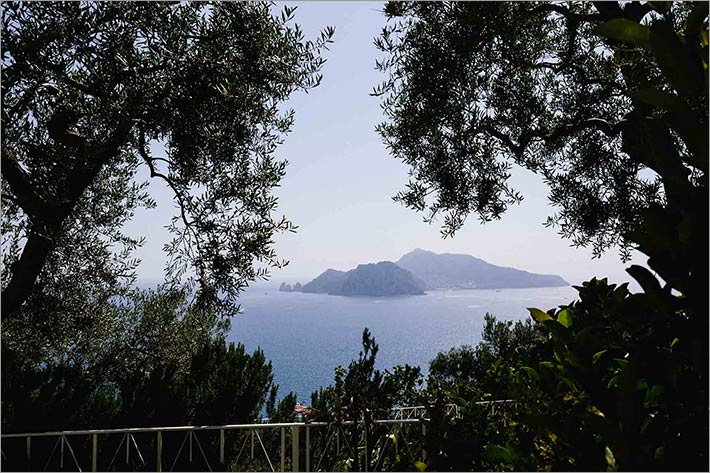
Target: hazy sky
<point>340,181</point>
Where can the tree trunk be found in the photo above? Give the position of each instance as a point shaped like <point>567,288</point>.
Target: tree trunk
<point>25,272</point>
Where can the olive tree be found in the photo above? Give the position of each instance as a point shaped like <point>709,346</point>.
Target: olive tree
<point>476,88</point>
<point>87,88</point>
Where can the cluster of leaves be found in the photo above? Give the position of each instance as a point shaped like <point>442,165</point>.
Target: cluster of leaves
<point>473,438</point>
<point>627,368</point>
<point>127,333</point>
<point>470,372</point>
<point>166,366</point>
<point>613,381</point>
<point>482,382</point>
<point>618,381</point>
<point>363,394</point>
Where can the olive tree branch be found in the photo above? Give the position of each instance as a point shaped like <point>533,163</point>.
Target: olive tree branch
<point>566,12</point>
<point>150,161</point>
<point>21,186</point>
<point>518,149</point>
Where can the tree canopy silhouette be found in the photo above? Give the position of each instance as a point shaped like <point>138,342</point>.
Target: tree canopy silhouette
<point>88,87</point>
<point>592,96</point>
<point>477,88</point>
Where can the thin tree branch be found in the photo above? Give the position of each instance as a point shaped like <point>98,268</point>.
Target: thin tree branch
<point>602,125</point>
<point>153,173</point>
<point>517,149</point>
<point>189,227</point>
<point>566,12</point>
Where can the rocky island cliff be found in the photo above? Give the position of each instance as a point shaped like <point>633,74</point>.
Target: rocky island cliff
<point>377,279</point>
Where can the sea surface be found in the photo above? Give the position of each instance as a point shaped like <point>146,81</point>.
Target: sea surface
<point>307,335</point>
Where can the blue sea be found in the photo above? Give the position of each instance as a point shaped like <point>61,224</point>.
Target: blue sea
<point>307,335</point>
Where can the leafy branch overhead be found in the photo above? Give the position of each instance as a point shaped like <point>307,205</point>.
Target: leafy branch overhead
<point>475,89</point>
<point>90,89</point>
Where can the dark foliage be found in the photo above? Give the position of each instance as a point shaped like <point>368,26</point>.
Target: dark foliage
<point>628,368</point>
<point>644,390</point>
<point>221,384</point>
<point>164,362</point>
<point>465,372</point>
<point>587,95</point>
<point>362,394</point>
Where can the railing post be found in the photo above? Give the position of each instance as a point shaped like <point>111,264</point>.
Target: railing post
<point>61,458</point>
<point>423,441</point>
<point>366,460</point>
<point>29,457</point>
<point>308,448</point>
<point>396,439</point>
<point>283,449</point>
<point>128,445</point>
<point>94,451</point>
<point>159,460</point>
<point>252,443</point>
<point>221,446</point>
<point>294,448</point>
<point>190,444</point>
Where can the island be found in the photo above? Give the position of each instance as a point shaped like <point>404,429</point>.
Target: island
<point>421,270</point>
<point>376,279</point>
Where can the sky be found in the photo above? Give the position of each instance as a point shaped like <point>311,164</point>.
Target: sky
<point>340,181</point>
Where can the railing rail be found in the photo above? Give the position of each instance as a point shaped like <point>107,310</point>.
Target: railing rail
<point>181,428</point>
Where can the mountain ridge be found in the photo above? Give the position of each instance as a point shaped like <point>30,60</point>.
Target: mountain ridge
<point>461,271</point>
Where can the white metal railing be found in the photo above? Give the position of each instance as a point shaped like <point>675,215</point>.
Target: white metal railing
<point>334,434</point>
<point>190,437</point>
<point>333,437</point>
<point>415,412</point>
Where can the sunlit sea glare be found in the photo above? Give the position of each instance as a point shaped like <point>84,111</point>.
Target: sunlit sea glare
<point>307,335</point>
